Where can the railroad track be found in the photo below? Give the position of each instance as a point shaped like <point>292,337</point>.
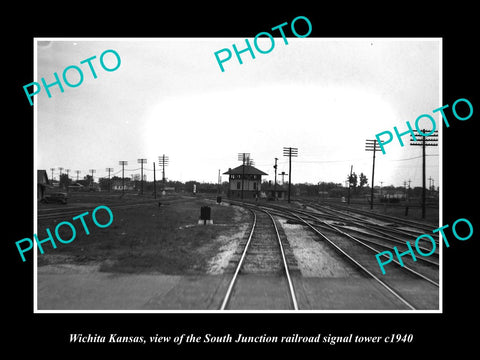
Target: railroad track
<point>63,211</point>
<point>405,284</point>
<point>361,251</point>
<point>382,235</point>
<point>74,211</point>
<point>420,227</point>
<point>262,276</point>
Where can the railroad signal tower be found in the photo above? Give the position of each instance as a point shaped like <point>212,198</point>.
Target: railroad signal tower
<point>430,139</point>
<point>372,145</point>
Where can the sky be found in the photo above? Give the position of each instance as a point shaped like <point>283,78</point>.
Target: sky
<point>325,97</point>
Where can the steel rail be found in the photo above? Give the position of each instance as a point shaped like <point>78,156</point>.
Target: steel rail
<point>375,229</point>
<point>376,251</point>
<point>291,213</point>
<point>244,253</point>
<point>240,263</point>
<point>285,265</point>
<point>76,211</point>
<point>387,247</point>
<point>363,268</point>
<point>412,223</point>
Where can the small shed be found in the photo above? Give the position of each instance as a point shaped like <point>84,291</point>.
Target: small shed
<point>272,192</point>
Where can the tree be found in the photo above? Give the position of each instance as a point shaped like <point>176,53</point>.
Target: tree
<point>64,181</point>
<point>104,183</point>
<point>363,180</point>
<point>353,180</point>
<point>87,181</point>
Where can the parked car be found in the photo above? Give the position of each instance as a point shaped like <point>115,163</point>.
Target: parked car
<point>57,197</point>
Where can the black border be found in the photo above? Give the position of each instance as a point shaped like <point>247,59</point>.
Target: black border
<point>432,332</point>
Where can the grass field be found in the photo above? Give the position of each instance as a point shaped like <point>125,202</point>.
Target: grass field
<point>144,239</point>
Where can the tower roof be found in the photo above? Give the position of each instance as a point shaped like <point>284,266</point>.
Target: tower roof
<point>249,170</point>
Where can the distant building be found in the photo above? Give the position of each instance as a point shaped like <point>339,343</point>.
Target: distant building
<point>247,177</point>
<point>274,193</point>
<point>42,182</point>
<point>118,184</point>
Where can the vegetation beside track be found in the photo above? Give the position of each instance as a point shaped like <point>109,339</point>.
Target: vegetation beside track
<point>145,238</point>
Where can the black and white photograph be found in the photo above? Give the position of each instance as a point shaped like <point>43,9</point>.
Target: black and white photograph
<point>288,179</point>
<point>260,187</point>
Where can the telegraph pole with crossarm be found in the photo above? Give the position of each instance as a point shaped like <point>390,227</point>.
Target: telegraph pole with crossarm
<point>431,139</point>
<point>141,162</point>
<point>372,145</point>
<point>123,163</point>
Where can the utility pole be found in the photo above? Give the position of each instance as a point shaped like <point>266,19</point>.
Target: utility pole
<point>92,171</point>
<point>371,145</point>
<point>163,161</point>
<point>78,173</point>
<point>67,171</point>
<point>275,185</point>
<point>59,176</point>
<point>290,152</point>
<point>52,172</point>
<point>408,191</point>
<point>431,183</point>
<point>283,173</point>
<point>154,182</point>
<point>427,140</point>
<point>349,183</point>
<point>243,158</point>
<point>109,181</point>
<point>141,162</point>
<point>123,163</point>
